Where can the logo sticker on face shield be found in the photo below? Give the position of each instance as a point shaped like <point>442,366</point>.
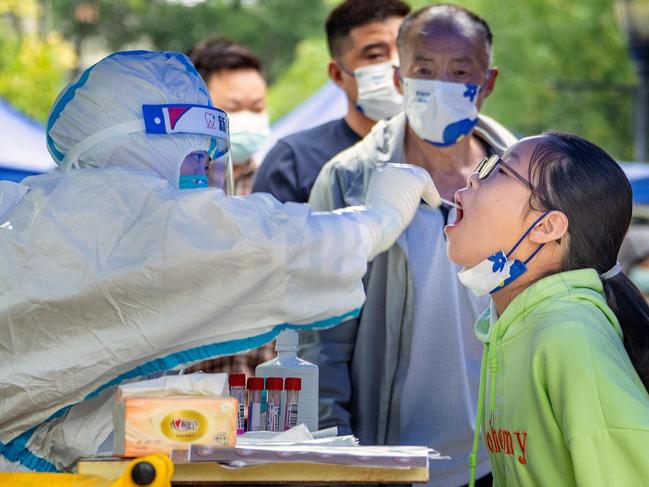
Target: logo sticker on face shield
<point>188,119</point>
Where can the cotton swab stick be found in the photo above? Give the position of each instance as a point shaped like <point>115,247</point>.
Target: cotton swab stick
<point>449,203</point>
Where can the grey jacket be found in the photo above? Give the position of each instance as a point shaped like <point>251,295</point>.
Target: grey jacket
<point>358,359</point>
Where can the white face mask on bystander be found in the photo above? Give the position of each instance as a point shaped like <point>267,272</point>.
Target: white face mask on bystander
<point>378,98</point>
<point>248,132</point>
<point>441,112</point>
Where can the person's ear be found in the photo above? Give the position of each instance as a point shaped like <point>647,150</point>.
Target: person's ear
<point>552,228</point>
<point>398,83</point>
<point>491,81</point>
<point>488,86</point>
<point>335,73</point>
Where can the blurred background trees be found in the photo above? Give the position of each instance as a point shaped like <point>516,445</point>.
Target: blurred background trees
<point>563,64</point>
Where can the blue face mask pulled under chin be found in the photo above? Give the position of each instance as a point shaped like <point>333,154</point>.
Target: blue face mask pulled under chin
<point>497,271</point>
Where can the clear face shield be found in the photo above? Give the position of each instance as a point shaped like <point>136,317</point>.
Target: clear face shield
<point>199,120</point>
<point>161,120</point>
<point>221,174</point>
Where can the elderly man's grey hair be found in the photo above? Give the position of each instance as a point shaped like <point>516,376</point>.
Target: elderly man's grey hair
<point>446,14</point>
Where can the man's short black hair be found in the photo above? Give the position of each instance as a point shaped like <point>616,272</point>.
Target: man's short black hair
<point>355,13</point>
<point>480,24</point>
<point>219,54</point>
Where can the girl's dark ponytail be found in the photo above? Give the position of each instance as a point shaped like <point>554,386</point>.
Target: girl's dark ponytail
<point>576,177</point>
<point>632,312</point>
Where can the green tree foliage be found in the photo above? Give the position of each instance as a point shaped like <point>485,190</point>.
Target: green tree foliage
<point>271,28</point>
<point>33,64</point>
<point>302,79</point>
<point>563,64</point>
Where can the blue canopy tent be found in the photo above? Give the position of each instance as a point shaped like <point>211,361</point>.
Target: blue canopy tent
<point>638,174</point>
<point>22,145</point>
<point>328,103</point>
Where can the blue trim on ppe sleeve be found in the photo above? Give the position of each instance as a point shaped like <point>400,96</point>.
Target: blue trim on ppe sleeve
<point>213,350</point>
<point>16,450</point>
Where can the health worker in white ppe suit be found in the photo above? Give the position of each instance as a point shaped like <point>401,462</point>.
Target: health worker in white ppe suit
<point>110,271</point>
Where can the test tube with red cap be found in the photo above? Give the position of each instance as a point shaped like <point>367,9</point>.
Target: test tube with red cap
<point>255,406</point>
<point>237,383</point>
<point>274,387</point>
<point>293,385</point>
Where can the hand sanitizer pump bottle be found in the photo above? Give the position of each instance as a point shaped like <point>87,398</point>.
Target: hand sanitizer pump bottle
<point>287,364</point>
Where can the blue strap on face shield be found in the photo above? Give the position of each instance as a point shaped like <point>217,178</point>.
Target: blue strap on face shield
<point>163,120</point>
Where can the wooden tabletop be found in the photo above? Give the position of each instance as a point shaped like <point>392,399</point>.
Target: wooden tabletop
<point>277,473</point>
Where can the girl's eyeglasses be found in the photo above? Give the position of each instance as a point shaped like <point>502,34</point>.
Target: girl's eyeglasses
<point>487,166</point>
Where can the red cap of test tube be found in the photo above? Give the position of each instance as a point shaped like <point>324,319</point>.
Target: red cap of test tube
<point>237,380</point>
<point>255,384</point>
<point>293,384</point>
<point>274,383</point>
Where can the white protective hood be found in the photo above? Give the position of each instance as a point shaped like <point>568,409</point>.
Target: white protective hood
<point>109,96</point>
<point>109,272</point>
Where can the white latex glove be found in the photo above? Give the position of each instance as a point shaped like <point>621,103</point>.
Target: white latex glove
<point>395,192</point>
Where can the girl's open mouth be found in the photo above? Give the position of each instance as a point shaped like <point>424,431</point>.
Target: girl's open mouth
<point>459,214</point>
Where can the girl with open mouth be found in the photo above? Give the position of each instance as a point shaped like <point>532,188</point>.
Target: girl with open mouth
<point>563,392</point>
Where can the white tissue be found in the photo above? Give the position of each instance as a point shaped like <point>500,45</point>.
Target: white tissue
<point>198,384</point>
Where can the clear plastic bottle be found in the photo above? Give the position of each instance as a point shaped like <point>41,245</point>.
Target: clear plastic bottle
<point>274,387</point>
<point>292,385</point>
<point>237,383</point>
<point>256,419</point>
<point>287,364</point>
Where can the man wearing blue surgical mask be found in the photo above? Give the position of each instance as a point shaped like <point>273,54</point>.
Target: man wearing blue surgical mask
<point>417,322</point>
<point>362,40</point>
<point>234,78</point>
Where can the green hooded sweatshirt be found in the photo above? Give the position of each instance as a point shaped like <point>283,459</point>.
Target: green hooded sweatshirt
<point>560,403</point>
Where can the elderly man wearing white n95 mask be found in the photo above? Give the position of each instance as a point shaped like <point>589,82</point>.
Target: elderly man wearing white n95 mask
<point>123,263</point>
<point>418,318</point>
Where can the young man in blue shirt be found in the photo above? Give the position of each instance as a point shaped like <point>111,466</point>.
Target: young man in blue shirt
<point>362,39</point>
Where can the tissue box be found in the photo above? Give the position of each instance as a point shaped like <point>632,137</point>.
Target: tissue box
<point>146,425</point>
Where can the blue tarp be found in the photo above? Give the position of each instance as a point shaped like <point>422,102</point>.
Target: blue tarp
<point>22,145</point>
<point>328,103</point>
<point>15,174</point>
<point>638,174</point>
